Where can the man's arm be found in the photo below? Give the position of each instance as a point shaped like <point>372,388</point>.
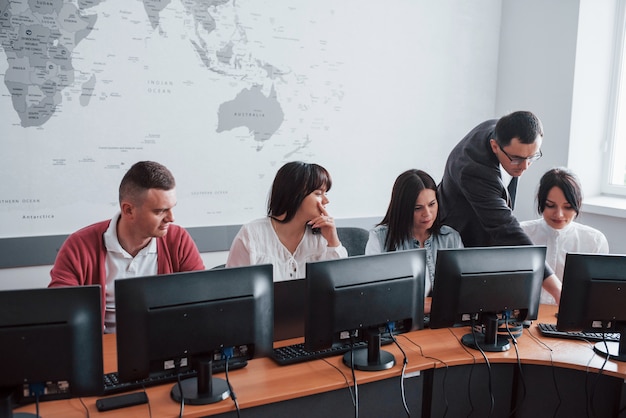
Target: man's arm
<point>70,266</point>
<point>190,256</point>
<point>486,195</point>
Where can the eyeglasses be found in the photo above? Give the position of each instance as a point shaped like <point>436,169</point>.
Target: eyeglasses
<point>521,160</point>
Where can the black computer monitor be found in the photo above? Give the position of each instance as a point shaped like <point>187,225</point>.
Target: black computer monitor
<point>289,309</point>
<point>484,286</point>
<point>594,299</point>
<point>174,321</point>
<point>358,298</point>
<point>50,344</point>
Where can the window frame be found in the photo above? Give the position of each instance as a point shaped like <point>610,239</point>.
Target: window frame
<point>616,106</point>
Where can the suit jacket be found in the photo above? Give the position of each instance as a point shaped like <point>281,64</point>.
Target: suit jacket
<point>473,198</point>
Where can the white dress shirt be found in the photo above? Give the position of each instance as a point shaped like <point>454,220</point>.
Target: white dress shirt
<point>257,243</point>
<point>574,238</point>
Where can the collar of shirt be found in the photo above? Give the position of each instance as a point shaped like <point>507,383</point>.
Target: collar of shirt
<point>112,243</point>
<point>553,231</point>
<point>506,177</point>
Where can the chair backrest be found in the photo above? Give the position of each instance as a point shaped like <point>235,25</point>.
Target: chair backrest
<point>354,239</point>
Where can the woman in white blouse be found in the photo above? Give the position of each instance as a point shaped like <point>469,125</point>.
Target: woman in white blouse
<point>559,199</point>
<point>297,228</point>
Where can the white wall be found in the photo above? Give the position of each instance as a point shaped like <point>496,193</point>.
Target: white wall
<point>556,59</point>
<point>536,73</point>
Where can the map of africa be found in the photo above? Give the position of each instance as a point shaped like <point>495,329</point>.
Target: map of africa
<point>223,92</point>
<point>41,37</point>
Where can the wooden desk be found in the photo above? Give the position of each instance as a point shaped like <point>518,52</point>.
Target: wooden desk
<point>441,373</point>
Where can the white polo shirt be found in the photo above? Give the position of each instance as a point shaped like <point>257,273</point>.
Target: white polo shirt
<point>121,265</point>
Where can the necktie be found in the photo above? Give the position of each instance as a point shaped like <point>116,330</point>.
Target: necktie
<point>512,188</point>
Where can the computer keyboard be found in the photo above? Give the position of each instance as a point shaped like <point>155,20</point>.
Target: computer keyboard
<point>296,353</point>
<point>549,330</point>
<point>113,385</point>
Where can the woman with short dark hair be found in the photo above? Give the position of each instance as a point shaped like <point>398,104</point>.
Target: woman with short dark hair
<point>297,229</point>
<point>559,199</point>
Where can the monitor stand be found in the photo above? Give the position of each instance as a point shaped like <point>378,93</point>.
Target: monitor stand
<point>371,358</point>
<point>201,390</point>
<point>6,406</point>
<point>489,340</point>
<point>614,350</point>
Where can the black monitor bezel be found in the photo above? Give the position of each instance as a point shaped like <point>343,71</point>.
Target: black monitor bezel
<point>584,305</point>
<point>289,309</point>
<point>592,299</point>
<point>485,285</point>
<point>136,297</point>
<point>55,336</point>
<point>369,273</point>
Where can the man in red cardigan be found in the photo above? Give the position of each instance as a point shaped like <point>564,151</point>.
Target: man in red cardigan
<point>141,240</point>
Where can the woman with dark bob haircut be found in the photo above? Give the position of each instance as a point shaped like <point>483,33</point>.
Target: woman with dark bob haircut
<point>559,199</point>
<point>412,221</point>
<point>297,229</point>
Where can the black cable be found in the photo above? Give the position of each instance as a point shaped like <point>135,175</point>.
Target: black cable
<point>587,396</point>
<point>405,362</point>
<point>445,372</point>
<point>84,406</point>
<point>345,378</point>
<point>489,380</point>
<point>182,396</point>
<point>356,388</point>
<point>230,388</point>
<point>469,392</point>
<point>471,373</point>
<point>519,366</point>
<point>553,368</point>
<point>149,407</point>
<point>180,388</point>
<point>37,404</point>
<point>600,372</point>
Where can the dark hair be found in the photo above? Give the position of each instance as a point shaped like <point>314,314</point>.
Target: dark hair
<point>145,175</point>
<point>565,180</point>
<point>522,125</point>
<point>399,216</point>
<point>293,182</point>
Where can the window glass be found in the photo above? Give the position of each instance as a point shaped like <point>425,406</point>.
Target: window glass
<point>616,164</point>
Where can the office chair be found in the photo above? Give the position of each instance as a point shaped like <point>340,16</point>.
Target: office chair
<point>354,239</point>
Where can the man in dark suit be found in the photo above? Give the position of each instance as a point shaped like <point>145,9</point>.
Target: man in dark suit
<point>477,191</point>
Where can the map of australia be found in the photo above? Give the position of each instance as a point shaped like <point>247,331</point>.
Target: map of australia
<point>260,114</point>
